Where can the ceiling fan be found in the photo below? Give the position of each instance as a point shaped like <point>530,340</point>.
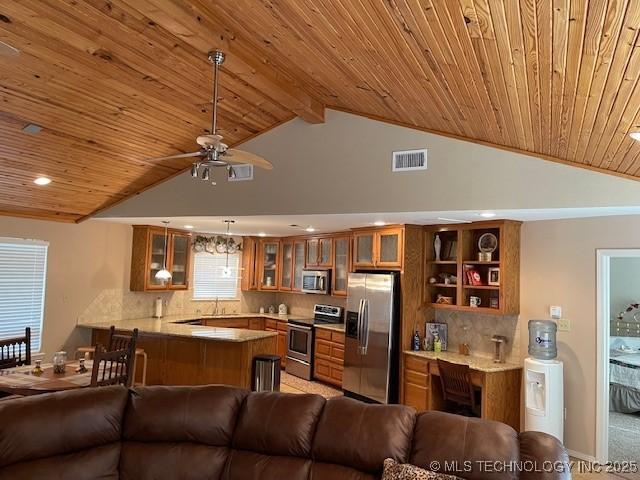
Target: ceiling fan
<point>213,152</point>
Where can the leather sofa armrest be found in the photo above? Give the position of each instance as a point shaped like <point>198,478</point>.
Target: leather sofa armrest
<point>543,457</point>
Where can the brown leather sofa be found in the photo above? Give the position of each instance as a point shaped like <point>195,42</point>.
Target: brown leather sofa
<point>218,432</point>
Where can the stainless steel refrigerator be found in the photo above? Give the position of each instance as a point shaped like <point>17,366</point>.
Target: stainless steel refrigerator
<point>371,337</point>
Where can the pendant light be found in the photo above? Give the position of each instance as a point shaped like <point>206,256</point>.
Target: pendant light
<point>226,271</point>
<point>165,274</point>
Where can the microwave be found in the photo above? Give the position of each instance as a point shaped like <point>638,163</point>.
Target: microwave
<point>316,281</point>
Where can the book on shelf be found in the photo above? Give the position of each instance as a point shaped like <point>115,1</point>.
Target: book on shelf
<point>473,276</point>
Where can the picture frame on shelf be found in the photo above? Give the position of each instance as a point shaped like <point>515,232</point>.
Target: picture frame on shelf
<point>494,303</point>
<point>493,277</point>
<point>473,276</point>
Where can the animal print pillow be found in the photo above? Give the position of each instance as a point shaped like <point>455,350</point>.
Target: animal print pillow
<point>404,471</point>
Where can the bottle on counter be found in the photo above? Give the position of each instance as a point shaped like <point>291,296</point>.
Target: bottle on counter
<point>437,343</point>
<point>415,344</point>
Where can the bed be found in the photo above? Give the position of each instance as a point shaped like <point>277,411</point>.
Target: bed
<point>624,377</point>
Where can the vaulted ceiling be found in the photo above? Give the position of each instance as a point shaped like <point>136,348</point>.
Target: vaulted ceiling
<point>115,82</point>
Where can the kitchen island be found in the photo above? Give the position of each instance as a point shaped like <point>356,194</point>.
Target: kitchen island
<point>193,350</point>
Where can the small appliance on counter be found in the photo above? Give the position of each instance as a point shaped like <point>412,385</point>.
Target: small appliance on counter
<point>300,339</point>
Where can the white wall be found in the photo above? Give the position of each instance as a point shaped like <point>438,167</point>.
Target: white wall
<point>344,166</point>
<point>83,260</point>
<point>558,267</point>
<point>625,285</point>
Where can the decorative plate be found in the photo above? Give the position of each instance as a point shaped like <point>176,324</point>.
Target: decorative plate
<point>487,243</point>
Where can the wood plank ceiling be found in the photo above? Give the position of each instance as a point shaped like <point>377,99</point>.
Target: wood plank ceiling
<point>115,82</point>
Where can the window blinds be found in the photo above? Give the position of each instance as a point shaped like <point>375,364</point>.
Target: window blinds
<point>208,280</point>
<point>23,270</point>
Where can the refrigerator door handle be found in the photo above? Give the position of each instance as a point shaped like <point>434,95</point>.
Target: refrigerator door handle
<point>360,324</point>
<point>365,326</point>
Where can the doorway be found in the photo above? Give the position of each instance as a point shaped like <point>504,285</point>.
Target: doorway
<point>618,355</point>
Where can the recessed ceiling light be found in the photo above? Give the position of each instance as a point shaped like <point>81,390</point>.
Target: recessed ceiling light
<point>262,234</point>
<point>310,229</point>
<point>379,223</point>
<point>487,214</point>
<point>635,135</point>
<point>42,181</point>
<point>189,227</point>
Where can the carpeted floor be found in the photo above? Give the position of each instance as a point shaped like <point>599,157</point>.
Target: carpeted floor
<point>624,437</point>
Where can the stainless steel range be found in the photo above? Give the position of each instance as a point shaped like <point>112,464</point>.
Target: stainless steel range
<point>300,339</point>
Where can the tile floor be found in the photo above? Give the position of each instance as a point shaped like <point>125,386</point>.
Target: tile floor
<point>291,384</point>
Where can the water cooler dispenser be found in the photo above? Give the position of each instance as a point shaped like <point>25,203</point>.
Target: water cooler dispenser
<point>543,377</point>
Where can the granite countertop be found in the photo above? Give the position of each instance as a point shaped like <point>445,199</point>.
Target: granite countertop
<point>334,327</point>
<point>167,326</point>
<point>481,364</point>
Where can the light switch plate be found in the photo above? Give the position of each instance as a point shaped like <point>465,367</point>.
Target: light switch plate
<point>555,312</point>
<point>564,324</point>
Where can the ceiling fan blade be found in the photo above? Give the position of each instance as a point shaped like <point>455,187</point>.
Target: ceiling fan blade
<point>180,155</point>
<point>209,140</point>
<point>7,50</point>
<point>239,156</point>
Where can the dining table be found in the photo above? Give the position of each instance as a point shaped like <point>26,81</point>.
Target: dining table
<point>23,381</point>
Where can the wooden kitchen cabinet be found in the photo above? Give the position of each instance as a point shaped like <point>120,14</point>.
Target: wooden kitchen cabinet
<point>148,252</point>
<point>269,253</point>
<point>341,265</point>
<point>378,248</point>
<point>281,328</point>
<point>285,282</point>
<point>299,252</point>
<point>320,252</point>
<point>250,276</point>
<point>328,359</point>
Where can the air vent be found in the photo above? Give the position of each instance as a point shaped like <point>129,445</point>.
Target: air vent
<point>408,160</point>
<point>242,173</point>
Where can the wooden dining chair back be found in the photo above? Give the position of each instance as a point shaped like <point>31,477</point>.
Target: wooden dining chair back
<point>115,367</point>
<point>15,352</point>
<point>456,384</point>
<point>119,340</point>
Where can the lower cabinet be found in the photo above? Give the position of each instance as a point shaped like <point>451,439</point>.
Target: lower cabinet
<point>328,361</point>
<point>281,328</point>
<point>416,383</point>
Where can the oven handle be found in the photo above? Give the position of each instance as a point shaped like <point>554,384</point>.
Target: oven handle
<point>299,327</point>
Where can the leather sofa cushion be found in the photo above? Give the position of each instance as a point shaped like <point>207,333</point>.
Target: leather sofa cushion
<point>42,426</point>
<point>170,461</point>
<point>535,447</point>
<point>245,465</point>
<point>330,471</point>
<point>442,437</point>
<point>206,414</point>
<point>278,424</point>
<point>98,462</point>
<point>361,436</point>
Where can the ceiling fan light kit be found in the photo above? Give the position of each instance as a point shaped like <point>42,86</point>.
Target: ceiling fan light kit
<point>213,152</point>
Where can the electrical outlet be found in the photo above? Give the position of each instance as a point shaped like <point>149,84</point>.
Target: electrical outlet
<point>564,325</point>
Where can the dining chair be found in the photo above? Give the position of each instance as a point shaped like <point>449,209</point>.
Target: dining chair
<point>457,387</point>
<point>15,352</point>
<point>115,367</point>
<point>117,341</point>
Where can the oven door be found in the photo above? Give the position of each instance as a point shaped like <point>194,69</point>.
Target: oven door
<point>300,342</point>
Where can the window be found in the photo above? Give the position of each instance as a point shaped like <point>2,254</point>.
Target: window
<point>23,271</point>
<point>209,281</point>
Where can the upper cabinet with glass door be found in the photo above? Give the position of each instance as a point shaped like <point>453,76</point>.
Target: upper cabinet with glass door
<point>378,248</point>
<point>269,252</point>
<point>320,252</point>
<point>151,251</point>
<point>341,265</point>
<point>286,265</point>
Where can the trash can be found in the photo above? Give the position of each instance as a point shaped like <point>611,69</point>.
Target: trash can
<point>266,373</point>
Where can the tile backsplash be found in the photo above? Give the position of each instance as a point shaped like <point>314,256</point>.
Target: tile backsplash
<point>477,330</point>
<point>116,304</point>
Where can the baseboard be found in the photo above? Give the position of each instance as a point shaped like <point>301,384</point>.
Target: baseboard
<point>581,456</point>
